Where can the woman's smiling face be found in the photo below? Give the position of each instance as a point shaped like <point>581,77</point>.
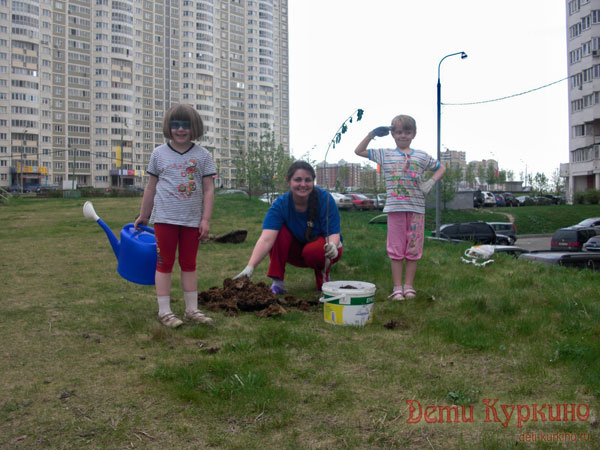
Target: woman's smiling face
<point>301,184</point>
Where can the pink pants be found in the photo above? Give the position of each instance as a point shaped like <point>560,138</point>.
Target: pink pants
<point>168,237</point>
<point>405,235</point>
<point>288,250</point>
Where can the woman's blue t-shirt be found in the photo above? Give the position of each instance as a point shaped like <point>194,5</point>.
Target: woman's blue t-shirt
<point>283,212</point>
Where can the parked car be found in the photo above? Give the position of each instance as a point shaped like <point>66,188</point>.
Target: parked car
<point>133,188</point>
<point>537,200</point>
<point>478,199</point>
<point>378,200</point>
<point>512,250</point>
<point>500,200</point>
<point>342,201</point>
<point>359,201</point>
<point>510,199</point>
<point>542,200</point>
<point>232,191</point>
<point>554,200</point>
<point>581,260</point>
<point>33,187</point>
<point>507,229</point>
<point>269,197</point>
<point>522,199</point>
<point>478,232</point>
<point>592,244</point>
<point>16,188</point>
<point>488,198</point>
<point>571,239</point>
<point>54,187</point>
<point>593,222</point>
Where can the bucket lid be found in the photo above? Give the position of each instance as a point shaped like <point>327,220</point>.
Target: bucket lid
<point>347,286</point>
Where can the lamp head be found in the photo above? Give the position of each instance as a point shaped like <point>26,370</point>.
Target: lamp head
<point>463,55</point>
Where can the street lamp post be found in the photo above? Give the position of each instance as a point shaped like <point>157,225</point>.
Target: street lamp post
<point>438,193</point>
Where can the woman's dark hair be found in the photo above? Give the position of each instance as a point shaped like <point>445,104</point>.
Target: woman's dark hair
<point>313,199</point>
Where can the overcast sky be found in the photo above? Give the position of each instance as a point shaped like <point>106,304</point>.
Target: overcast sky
<point>382,56</point>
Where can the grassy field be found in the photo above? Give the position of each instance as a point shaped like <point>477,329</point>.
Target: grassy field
<point>85,363</point>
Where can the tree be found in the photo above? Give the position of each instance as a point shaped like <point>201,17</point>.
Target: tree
<point>368,178</point>
<point>540,183</point>
<point>491,175</point>
<point>470,175</point>
<point>342,178</point>
<point>481,174</point>
<point>261,167</point>
<point>449,183</point>
<point>557,183</point>
<point>502,177</point>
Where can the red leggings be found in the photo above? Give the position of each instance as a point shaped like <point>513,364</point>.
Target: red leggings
<point>289,250</point>
<point>167,238</point>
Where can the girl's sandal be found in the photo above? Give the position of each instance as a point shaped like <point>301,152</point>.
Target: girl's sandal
<point>170,320</point>
<point>409,293</point>
<point>397,295</point>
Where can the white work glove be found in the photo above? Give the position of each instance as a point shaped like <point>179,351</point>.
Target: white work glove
<point>247,272</point>
<point>426,186</point>
<point>331,250</point>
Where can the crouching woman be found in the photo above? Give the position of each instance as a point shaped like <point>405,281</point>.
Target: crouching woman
<point>301,228</point>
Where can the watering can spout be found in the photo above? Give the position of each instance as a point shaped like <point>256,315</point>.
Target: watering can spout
<point>89,213</point>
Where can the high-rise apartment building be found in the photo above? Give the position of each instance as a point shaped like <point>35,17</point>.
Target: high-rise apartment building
<point>84,84</point>
<point>583,47</point>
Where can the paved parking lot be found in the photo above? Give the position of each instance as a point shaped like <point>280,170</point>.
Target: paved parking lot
<point>534,241</point>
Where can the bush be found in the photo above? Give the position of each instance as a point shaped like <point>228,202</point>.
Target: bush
<point>592,196</point>
<point>579,198</point>
<point>124,193</point>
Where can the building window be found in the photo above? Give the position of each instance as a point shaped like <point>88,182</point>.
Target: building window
<point>578,130</point>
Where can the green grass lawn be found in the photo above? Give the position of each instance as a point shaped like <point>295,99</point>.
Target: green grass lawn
<point>85,364</point>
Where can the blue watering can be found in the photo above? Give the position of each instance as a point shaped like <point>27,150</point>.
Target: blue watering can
<point>136,253</point>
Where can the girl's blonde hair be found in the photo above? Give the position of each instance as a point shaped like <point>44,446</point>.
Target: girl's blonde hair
<point>183,112</point>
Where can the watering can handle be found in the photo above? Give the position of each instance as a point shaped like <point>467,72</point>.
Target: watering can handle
<point>146,228</point>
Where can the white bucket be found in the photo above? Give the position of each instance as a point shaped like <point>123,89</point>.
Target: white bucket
<point>348,302</point>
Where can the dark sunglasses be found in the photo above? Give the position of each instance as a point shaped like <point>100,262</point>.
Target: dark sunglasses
<point>175,124</point>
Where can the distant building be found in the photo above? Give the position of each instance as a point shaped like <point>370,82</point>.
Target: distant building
<point>84,85</point>
<point>583,47</point>
<point>348,174</point>
<point>454,157</point>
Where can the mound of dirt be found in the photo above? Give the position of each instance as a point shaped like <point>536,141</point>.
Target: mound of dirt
<point>242,295</point>
<point>234,237</point>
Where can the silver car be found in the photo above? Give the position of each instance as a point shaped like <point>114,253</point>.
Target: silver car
<point>593,222</point>
<point>592,244</point>
<point>342,201</point>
